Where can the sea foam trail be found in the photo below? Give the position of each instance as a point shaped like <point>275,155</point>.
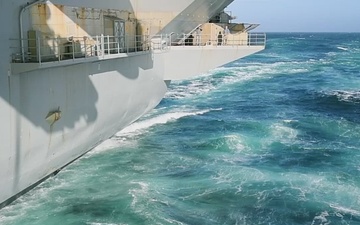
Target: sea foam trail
<point>342,48</point>
<point>238,73</point>
<point>345,210</point>
<point>137,127</point>
<point>141,126</point>
<point>212,80</point>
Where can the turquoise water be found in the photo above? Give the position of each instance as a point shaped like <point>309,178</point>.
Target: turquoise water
<point>270,139</point>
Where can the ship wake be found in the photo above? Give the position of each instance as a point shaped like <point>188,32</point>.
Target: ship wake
<point>142,126</point>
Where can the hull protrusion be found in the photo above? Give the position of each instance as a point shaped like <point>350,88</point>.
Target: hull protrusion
<point>53,116</point>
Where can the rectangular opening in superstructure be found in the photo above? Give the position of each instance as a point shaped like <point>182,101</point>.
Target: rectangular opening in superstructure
<point>114,31</point>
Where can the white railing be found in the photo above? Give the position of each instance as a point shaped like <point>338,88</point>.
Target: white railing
<point>40,50</point>
<point>47,49</point>
<point>256,39</point>
<point>240,39</point>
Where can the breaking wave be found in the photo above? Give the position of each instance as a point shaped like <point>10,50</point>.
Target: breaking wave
<point>140,126</point>
<point>346,96</point>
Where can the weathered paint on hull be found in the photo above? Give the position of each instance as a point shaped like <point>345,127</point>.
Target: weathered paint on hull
<point>95,99</point>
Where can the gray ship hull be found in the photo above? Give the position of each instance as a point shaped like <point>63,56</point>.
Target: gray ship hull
<point>95,99</point>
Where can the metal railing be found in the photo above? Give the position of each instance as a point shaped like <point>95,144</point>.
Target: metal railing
<point>39,49</point>
<point>241,39</point>
<point>256,39</point>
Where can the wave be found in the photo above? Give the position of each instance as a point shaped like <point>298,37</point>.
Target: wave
<point>298,38</point>
<point>97,223</point>
<point>283,133</point>
<point>233,74</point>
<point>337,100</point>
<point>189,89</point>
<point>340,102</point>
<point>106,145</point>
<point>138,127</point>
<point>216,79</point>
<point>342,48</point>
<point>321,219</point>
<point>347,96</point>
<point>236,142</point>
<point>345,210</point>
<point>121,137</point>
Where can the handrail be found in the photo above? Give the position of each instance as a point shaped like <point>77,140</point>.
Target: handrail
<point>51,49</point>
<point>41,49</point>
<point>239,39</point>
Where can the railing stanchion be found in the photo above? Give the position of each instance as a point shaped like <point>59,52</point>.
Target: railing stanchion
<point>127,44</point>
<point>58,48</point>
<point>102,45</point>
<point>161,37</point>
<point>73,49</point>
<point>85,47</point>
<point>97,45</point>
<point>22,50</point>
<point>39,49</point>
<point>108,45</point>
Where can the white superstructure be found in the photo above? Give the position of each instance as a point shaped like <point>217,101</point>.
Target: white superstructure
<point>74,72</point>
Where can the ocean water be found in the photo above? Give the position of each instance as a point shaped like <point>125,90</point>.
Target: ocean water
<point>273,138</point>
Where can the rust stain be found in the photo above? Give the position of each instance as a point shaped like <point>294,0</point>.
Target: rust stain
<point>42,14</point>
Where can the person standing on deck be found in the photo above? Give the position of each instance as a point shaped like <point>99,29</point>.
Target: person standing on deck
<point>220,38</point>
<point>198,36</point>
<point>226,34</point>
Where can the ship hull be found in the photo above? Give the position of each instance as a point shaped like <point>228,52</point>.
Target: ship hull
<point>95,100</point>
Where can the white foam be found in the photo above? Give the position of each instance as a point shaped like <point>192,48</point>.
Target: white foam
<point>172,221</point>
<point>346,95</point>
<point>345,210</point>
<point>321,219</point>
<point>137,127</point>
<point>283,133</point>
<point>240,76</point>
<point>207,82</point>
<point>138,192</point>
<point>235,142</point>
<point>106,145</point>
<point>266,70</point>
<point>96,223</point>
<point>342,48</point>
<point>121,137</point>
<point>196,87</point>
<point>290,121</point>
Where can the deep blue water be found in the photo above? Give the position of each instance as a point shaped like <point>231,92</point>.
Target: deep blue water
<point>273,138</point>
